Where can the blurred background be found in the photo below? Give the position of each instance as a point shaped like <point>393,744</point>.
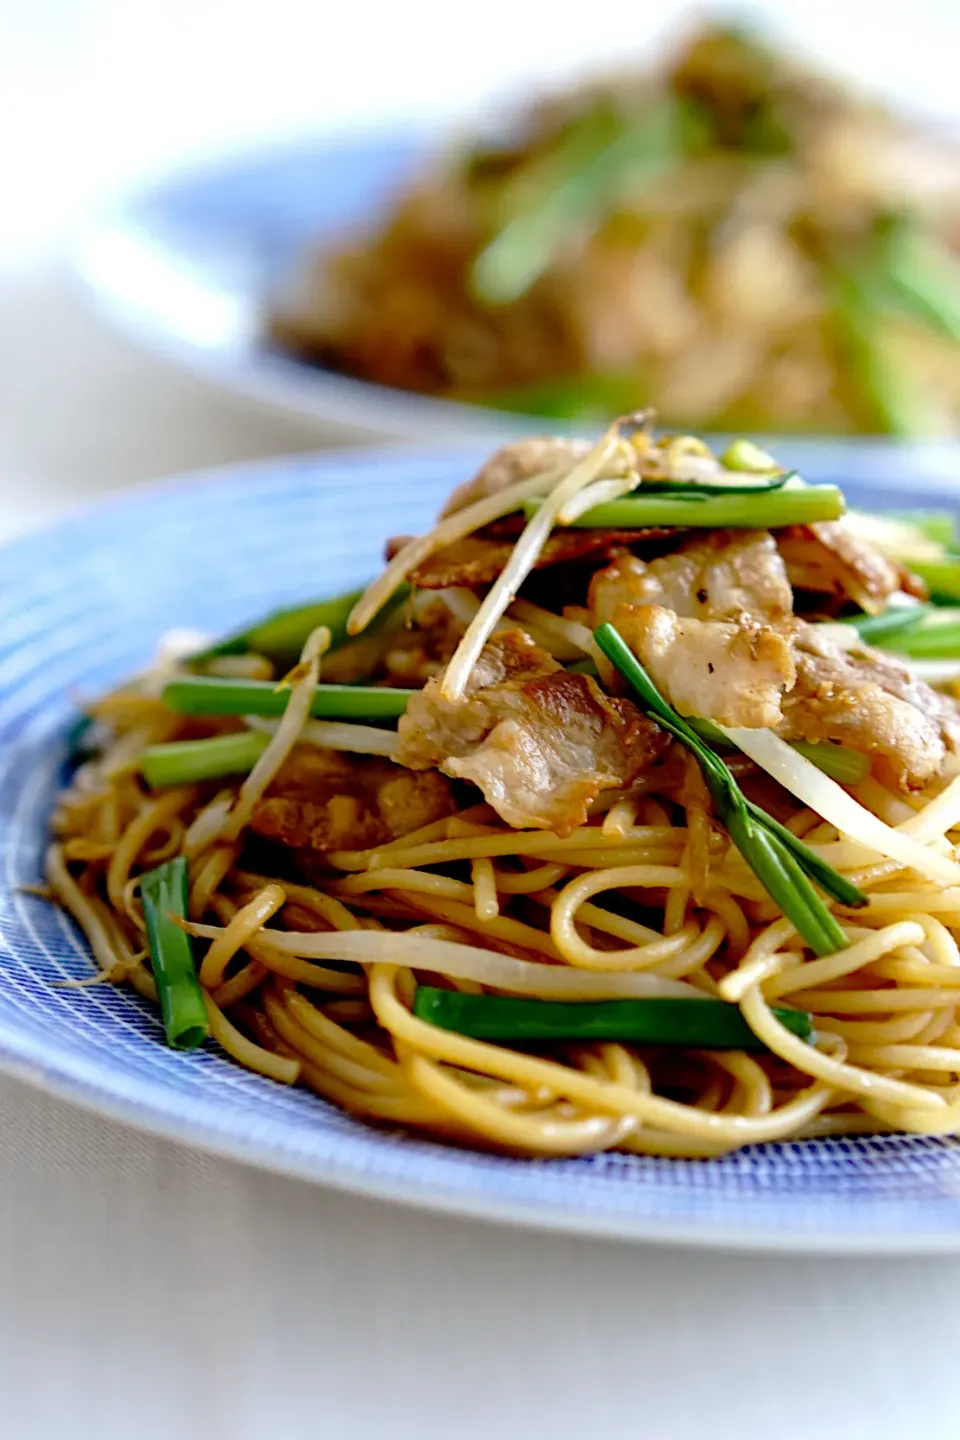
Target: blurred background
<point>96,93</point>
<point>98,96</point>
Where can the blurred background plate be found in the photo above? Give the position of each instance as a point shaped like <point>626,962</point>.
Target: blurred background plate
<point>187,266</point>
<point>82,604</point>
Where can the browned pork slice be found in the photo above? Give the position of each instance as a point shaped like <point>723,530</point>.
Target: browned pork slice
<point>540,743</point>
<point>327,800</point>
<point>477,560</point>
<point>830,559</point>
<point>867,701</point>
<point>520,460</point>
<point>734,673</point>
<point>720,576</point>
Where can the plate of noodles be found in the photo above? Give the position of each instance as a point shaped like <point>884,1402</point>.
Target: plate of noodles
<point>749,244</point>
<point>589,863</point>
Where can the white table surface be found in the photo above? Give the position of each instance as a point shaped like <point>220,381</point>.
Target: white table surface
<point>147,1290</point>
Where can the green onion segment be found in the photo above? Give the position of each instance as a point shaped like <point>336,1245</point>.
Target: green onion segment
<point>764,510</point>
<point>697,1024</point>
<point>211,695</point>
<point>185,762</point>
<point>781,862</point>
<point>164,895</point>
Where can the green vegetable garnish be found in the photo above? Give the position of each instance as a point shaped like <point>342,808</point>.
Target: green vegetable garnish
<point>887,398</point>
<point>782,863</point>
<point>184,762</point>
<point>917,275</point>
<point>568,190</point>
<point>847,767</point>
<point>581,397</point>
<point>696,1024</point>
<point>164,895</point>
<point>744,455</point>
<point>942,576</point>
<point>761,511</point>
<point>692,489</point>
<point>879,629</point>
<point>935,636</point>
<point>210,695</point>
<point>282,635</point>
<point>937,525</point>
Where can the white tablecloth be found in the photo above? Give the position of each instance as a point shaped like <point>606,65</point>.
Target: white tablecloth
<point>147,1290</point>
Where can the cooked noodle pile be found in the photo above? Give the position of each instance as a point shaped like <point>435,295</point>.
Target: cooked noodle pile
<point>333,879</point>
<point>744,242</point>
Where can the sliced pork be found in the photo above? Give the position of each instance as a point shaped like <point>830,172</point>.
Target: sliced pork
<point>719,576</point>
<point>328,800</point>
<point>539,742</point>
<point>736,674</point>
<point>476,560</point>
<point>520,460</point>
<point>867,701</point>
<point>829,559</point>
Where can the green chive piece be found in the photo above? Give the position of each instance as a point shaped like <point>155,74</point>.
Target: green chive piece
<point>211,695</point>
<point>784,866</point>
<point>745,455</point>
<point>581,397</point>
<point>934,636</point>
<point>887,398</point>
<point>847,767</point>
<point>922,277</point>
<point>164,895</point>
<point>897,621</point>
<point>942,576</point>
<point>938,525</point>
<point>184,762</point>
<point>282,634</point>
<point>696,1024</point>
<point>838,886</point>
<point>763,511</point>
<point>697,489</point>
<point>569,190</point>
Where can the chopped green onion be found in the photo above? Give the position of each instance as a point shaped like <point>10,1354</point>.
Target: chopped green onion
<point>691,489</point>
<point>830,880</point>
<point>889,402</point>
<point>696,1024</point>
<point>898,621</point>
<point>898,538</point>
<point>184,762</point>
<point>211,695</point>
<point>921,277</point>
<point>937,636</point>
<point>282,635</point>
<point>744,455</point>
<point>765,511</point>
<point>938,525</point>
<point>784,867</point>
<point>568,190</point>
<point>941,576</point>
<point>581,397</point>
<point>847,767</point>
<point>164,895</point>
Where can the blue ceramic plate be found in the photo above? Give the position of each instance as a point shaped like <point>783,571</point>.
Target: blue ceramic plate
<point>187,267</point>
<point>82,605</point>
